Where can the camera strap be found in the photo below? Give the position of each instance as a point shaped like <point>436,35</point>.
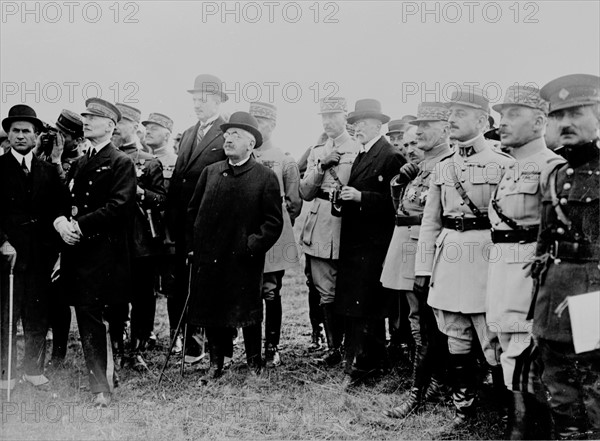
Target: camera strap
<point>335,177</point>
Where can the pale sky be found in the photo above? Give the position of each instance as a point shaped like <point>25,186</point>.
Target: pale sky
<point>54,51</point>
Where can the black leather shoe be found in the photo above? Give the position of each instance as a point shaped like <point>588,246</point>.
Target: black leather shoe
<point>212,374</point>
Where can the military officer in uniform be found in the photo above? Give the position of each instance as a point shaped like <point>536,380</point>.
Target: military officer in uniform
<point>568,255</point>
<point>96,261</point>
<point>367,228</point>
<point>399,267</point>
<point>201,145</point>
<point>284,254</point>
<point>514,213</point>
<point>327,171</point>
<point>147,234</point>
<point>454,241</point>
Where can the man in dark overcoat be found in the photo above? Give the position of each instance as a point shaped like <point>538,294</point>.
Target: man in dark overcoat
<point>234,218</point>
<point>96,261</point>
<point>31,195</point>
<point>367,225</point>
<point>201,145</point>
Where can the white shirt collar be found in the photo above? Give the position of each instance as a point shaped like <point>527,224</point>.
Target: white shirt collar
<point>19,157</point>
<point>239,164</point>
<point>100,146</point>
<point>365,148</point>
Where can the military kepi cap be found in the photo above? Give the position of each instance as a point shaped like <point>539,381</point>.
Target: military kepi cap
<point>431,111</point>
<point>159,119</point>
<point>21,112</point>
<point>572,91</point>
<point>525,96</point>
<point>471,97</point>
<point>263,110</point>
<point>100,107</point>
<point>70,122</point>
<point>129,112</point>
<point>333,104</point>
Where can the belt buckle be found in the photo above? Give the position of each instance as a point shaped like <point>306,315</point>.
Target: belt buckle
<point>459,222</point>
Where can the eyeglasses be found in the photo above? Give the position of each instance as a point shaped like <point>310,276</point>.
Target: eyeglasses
<point>233,134</point>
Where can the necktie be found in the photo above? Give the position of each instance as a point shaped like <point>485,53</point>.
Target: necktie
<point>24,167</point>
<point>91,152</point>
<point>201,133</point>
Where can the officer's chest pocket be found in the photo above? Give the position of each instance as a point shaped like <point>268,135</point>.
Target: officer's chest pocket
<point>482,183</point>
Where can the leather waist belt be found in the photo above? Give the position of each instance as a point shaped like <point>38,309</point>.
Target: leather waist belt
<point>525,235</point>
<point>574,251</point>
<point>407,221</point>
<point>323,195</point>
<point>466,223</point>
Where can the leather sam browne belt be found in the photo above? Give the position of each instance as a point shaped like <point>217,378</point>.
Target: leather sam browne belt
<point>407,221</point>
<point>325,195</point>
<point>524,235</point>
<point>466,223</point>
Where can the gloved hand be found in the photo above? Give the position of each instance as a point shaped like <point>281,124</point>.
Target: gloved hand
<point>330,160</point>
<point>67,231</point>
<point>421,286</point>
<point>9,251</point>
<point>408,172</point>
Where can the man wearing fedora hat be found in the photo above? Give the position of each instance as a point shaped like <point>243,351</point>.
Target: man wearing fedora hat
<point>367,227</point>
<point>200,146</point>
<point>147,237</point>
<point>399,268</point>
<point>395,133</point>
<point>97,229</point>
<point>568,258</point>
<point>514,213</point>
<point>328,169</point>
<point>31,196</point>
<point>454,243</point>
<point>234,218</point>
<point>284,254</point>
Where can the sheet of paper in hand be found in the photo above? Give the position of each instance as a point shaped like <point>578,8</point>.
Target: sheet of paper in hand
<point>584,310</point>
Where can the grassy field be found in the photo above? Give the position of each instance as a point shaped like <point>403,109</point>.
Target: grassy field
<point>297,400</point>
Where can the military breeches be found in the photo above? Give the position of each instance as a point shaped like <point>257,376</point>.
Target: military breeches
<point>519,372</point>
<point>463,329</point>
<point>324,274</point>
<point>573,381</point>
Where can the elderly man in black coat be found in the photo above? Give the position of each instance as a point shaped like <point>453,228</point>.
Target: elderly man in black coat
<point>367,227</point>
<point>31,196</point>
<point>234,218</point>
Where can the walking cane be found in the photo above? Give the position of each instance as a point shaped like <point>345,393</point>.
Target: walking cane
<point>11,288</point>
<point>181,319</point>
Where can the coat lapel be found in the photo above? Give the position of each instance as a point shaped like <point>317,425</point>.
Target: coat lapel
<point>367,159</point>
<point>97,159</point>
<point>209,137</point>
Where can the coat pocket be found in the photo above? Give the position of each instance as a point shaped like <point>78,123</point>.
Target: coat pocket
<point>310,223</point>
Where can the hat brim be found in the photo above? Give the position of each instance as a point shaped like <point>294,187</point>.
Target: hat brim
<point>88,112</point>
<point>224,96</point>
<point>567,105</point>
<point>416,122</point>
<point>63,128</point>
<point>145,123</point>
<point>498,107</point>
<point>355,116</point>
<point>247,128</point>
<point>37,123</point>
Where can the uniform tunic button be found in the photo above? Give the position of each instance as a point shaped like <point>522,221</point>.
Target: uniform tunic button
<point>557,261</point>
<point>567,186</point>
<point>560,230</point>
<point>588,200</point>
<point>224,173</point>
<point>85,206</point>
<point>87,193</point>
<point>570,171</point>
<point>502,187</point>
<point>184,181</point>
<point>90,183</point>
<point>563,201</point>
<point>462,180</point>
<point>590,173</point>
<point>462,202</point>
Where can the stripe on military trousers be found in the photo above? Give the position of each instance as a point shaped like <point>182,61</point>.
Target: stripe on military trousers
<point>520,378</point>
<point>110,365</point>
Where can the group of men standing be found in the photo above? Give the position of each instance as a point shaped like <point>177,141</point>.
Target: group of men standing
<point>460,242</point>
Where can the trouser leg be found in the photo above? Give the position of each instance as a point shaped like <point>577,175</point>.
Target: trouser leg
<point>34,315</point>
<point>97,348</point>
<point>143,304</point>
<point>315,314</point>
<point>273,313</point>
<point>60,321</point>
<point>252,340</point>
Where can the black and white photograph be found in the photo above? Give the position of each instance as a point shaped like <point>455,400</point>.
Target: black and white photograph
<point>303,220</point>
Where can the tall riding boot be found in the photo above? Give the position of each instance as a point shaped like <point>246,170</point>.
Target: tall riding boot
<point>419,384</point>
<point>501,393</point>
<point>215,370</point>
<point>462,371</point>
<point>315,314</point>
<point>333,334</point>
<point>516,427</point>
<point>272,331</point>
